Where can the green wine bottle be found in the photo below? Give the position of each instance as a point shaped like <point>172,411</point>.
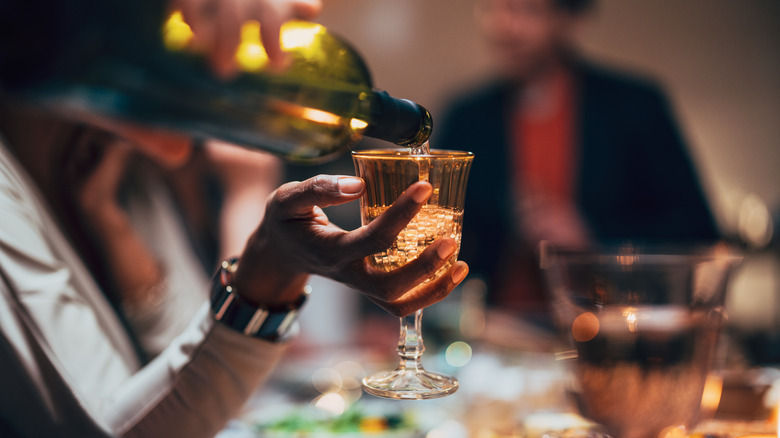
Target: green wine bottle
<point>319,106</point>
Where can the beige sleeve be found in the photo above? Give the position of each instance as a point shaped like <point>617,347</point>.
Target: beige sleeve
<point>196,385</point>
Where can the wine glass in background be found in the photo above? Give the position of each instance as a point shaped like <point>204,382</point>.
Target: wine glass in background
<point>387,173</point>
<point>642,327</point>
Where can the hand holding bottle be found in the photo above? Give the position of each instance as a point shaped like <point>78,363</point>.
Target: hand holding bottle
<point>217,26</point>
<point>296,238</point>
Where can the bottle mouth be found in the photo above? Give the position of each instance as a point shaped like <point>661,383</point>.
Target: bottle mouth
<point>424,131</point>
<point>399,121</point>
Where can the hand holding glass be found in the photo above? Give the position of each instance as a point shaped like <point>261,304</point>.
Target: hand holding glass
<point>387,173</point>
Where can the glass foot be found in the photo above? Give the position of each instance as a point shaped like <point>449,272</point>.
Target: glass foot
<point>406,384</point>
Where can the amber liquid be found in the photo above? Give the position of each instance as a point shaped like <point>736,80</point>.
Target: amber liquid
<point>389,173</point>
<point>423,149</point>
<point>431,223</point>
<point>442,216</point>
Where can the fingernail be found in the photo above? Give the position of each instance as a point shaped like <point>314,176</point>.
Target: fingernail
<point>421,193</point>
<point>460,273</point>
<point>350,185</point>
<point>445,250</point>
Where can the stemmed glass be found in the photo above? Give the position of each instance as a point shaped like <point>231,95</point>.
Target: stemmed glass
<point>387,173</point>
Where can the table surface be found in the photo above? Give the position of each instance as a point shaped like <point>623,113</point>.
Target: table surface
<point>510,386</point>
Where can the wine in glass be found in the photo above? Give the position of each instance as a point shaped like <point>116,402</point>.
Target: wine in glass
<point>641,325</point>
<point>387,173</point>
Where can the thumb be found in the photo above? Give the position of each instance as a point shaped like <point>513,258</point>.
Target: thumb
<point>297,198</point>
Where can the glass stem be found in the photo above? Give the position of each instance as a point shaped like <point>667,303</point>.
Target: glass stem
<point>410,343</point>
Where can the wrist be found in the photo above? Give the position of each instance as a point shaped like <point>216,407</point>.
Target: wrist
<point>272,322</point>
<point>268,287</point>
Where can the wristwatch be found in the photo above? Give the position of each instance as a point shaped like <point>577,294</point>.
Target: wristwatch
<point>271,323</point>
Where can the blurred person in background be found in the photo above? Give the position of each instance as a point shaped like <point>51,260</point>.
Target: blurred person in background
<point>569,151</point>
<point>69,365</point>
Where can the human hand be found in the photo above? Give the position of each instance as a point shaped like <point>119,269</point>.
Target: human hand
<point>296,238</point>
<point>93,170</point>
<point>217,25</point>
<point>93,173</point>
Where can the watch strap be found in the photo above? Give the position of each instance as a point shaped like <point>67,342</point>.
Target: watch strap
<point>271,323</point>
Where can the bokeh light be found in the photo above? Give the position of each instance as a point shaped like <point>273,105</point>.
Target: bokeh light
<point>458,354</point>
<point>585,327</point>
<point>331,402</point>
<point>326,380</point>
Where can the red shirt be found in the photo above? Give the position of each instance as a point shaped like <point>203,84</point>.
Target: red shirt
<point>544,142</point>
<point>544,157</point>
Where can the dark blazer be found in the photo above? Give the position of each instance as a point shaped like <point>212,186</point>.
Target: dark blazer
<point>635,180</point>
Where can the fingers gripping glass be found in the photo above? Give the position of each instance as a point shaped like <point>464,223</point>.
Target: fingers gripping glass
<point>387,173</point>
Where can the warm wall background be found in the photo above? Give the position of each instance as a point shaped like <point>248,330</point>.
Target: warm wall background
<point>718,59</point>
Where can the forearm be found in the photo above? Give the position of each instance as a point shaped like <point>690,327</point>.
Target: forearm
<point>195,386</point>
<point>135,270</point>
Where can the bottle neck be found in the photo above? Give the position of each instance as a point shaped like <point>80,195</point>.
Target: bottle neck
<point>399,121</point>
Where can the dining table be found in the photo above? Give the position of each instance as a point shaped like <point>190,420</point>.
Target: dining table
<point>513,384</point>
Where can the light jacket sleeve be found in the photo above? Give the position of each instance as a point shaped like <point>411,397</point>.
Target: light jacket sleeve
<point>75,342</point>
<point>196,385</point>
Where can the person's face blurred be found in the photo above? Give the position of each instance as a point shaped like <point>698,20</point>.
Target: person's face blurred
<point>525,37</point>
<point>167,148</point>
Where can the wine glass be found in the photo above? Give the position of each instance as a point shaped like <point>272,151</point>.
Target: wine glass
<point>641,325</point>
<point>387,173</point>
